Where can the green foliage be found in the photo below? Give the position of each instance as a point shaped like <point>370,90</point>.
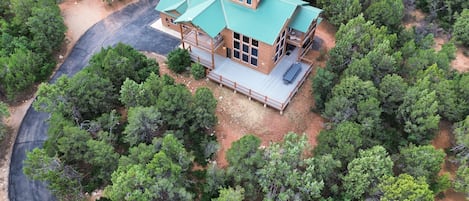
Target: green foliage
<point>121,62</point>
<point>365,172</point>
<point>461,28</point>
<point>47,28</point>
<point>102,157</point>
<point>323,82</point>
<point>418,113</point>
<point>230,194</point>
<point>145,123</point>
<point>286,176</point>
<point>461,147</point>
<point>144,94</point>
<point>391,89</point>
<point>351,100</point>
<point>3,114</point>
<point>387,13</point>
<point>161,178</point>
<point>63,180</point>
<point>178,60</point>
<point>422,161</point>
<point>30,32</point>
<point>342,142</point>
<point>72,146</point>
<point>19,71</point>
<point>461,183</point>
<point>82,97</point>
<point>174,103</point>
<point>215,181</point>
<point>204,110</point>
<point>340,12</point>
<point>198,71</point>
<point>405,187</point>
<point>245,158</point>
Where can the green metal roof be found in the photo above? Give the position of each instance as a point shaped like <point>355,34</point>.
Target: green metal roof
<point>263,24</point>
<point>304,17</point>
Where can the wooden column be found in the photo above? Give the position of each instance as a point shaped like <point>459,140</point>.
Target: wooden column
<point>182,36</point>
<point>212,52</point>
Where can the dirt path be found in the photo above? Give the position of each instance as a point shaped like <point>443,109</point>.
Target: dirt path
<point>78,16</point>
<point>444,140</point>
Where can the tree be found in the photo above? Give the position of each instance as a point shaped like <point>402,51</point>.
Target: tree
<point>144,94</point>
<point>354,100</point>
<point>121,62</point>
<point>418,113</point>
<point>422,161</point>
<point>461,183</point>
<point>102,157</point>
<point>131,93</point>
<point>323,82</point>
<point>461,147</point>
<point>339,12</point>
<point>3,114</point>
<point>390,92</point>
<point>286,175</point>
<point>365,172</point>
<point>327,169</point>
<point>160,177</point>
<point>18,71</point>
<point>47,28</point>
<point>461,28</point>
<point>198,71</point>
<point>72,145</point>
<point>405,187</point>
<point>245,158</point>
<point>145,123</point>
<point>178,60</point>
<point>342,142</point>
<point>204,110</point>
<point>230,194</point>
<point>63,181</point>
<point>387,13</point>
<point>174,103</point>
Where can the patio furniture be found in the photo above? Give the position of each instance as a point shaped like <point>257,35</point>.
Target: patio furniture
<point>290,75</point>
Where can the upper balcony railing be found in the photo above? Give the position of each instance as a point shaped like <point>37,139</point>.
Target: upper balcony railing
<point>202,40</point>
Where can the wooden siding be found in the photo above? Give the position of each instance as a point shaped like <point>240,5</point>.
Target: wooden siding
<point>166,20</point>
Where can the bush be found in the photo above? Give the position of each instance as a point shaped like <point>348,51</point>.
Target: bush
<point>198,71</point>
<point>178,60</point>
<point>461,28</point>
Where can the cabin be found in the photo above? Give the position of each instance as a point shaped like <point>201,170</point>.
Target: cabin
<point>247,45</point>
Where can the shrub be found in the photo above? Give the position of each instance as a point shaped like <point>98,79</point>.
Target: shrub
<point>198,71</point>
<point>178,60</point>
<point>461,28</point>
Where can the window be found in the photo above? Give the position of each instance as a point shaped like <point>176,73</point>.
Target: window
<point>245,48</point>
<point>245,58</point>
<point>280,46</point>
<point>236,45</point>
<point>254,61</point>
<point>255,43</point>
<point>245,39</point>
<point>236,54</point>
<point>254,52</point>
<point>248,2</point>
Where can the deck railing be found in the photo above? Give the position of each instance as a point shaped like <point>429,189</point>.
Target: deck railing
<point>202,61</point>
<point>202,40</point>
<point>267,101</point>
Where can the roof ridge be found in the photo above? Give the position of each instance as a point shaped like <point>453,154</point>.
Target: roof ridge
<point>224,12</point>
<point>204,5</point>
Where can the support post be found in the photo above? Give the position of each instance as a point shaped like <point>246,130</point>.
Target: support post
<point>182,36</point>
<point>196,38</point>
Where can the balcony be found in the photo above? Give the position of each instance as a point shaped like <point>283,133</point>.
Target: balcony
<point>295,37</point>
<point>202,40</point>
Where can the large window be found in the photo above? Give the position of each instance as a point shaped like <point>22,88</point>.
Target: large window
<point>245,49</point>
<point>279,46</point>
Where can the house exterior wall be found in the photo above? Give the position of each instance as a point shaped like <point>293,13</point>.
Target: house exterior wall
<point>265,63</point>
<point>167,22</point>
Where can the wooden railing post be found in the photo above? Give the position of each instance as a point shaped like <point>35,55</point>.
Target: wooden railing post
<point>235,87</point>
<point>250,94</point>
<point>265,101</point>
